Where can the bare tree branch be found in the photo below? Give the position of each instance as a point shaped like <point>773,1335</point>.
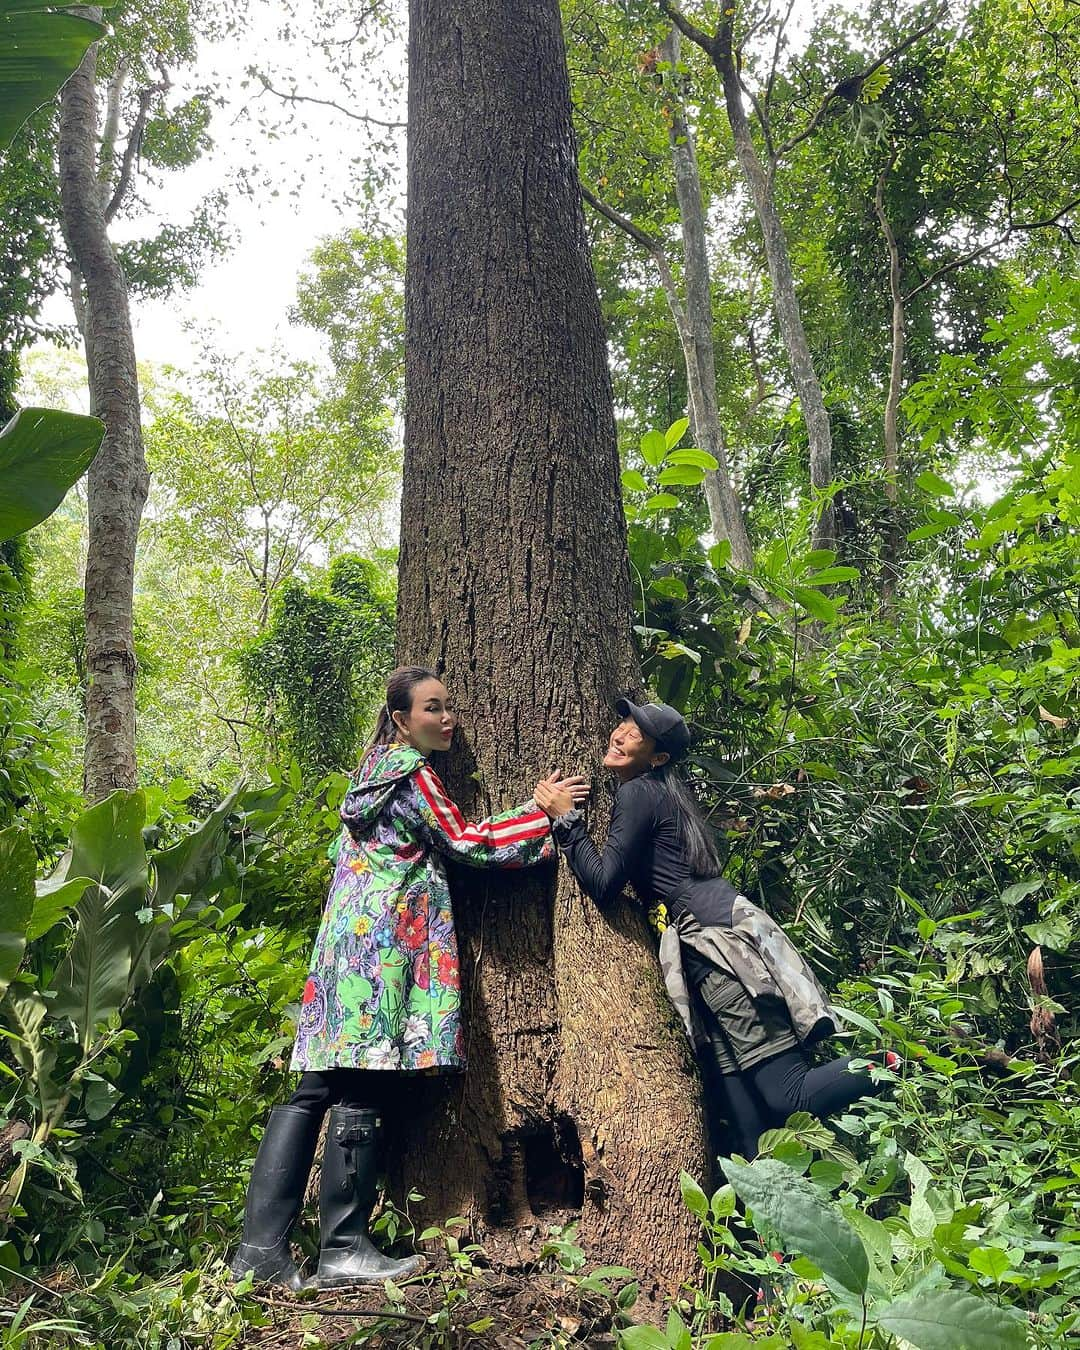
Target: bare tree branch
<point>651,245</point>
<point>294,98</point>
<point>134,145</point>
<point>1015,227</point>
<point>771,81</point>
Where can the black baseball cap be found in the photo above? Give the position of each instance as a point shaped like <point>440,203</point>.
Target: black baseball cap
<point>659,721</point>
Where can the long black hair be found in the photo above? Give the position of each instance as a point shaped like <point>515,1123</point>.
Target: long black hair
<point>697,836</point>
<point>399,698</point>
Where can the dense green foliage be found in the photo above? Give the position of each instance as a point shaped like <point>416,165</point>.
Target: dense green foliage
<point>886,733</point>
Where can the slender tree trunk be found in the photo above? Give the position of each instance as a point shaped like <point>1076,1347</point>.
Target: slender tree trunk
<point>785,299</point>
<point>891,546</point>
<point>698,345</point>
<point>580,1100</point>
<point>117,482</point>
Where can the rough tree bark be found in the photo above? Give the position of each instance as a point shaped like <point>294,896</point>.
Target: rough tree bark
<point>720,49</point>
<point>117,482</point>
<point>580,1099</point>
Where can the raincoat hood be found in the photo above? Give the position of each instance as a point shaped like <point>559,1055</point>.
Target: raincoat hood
<point>383,768</point>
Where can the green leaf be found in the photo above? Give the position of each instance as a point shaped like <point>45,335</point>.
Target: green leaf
<point>671,588</point>
<point>661,501</point>
<point>694,1198</point>
<point>858,1020</point>
<point>933,484</point>
<point>18,863</point>
<point>633,481</point>
<point>722,1205</point>
<point>677,1332</point>
<point>990,1261</point>
<point>38,52</point>
<point>54,899</point>
<point>719,555</point>
<point>93,978</point>
<point>699,459</point>
<point>42,453</point>
<point>1020,890</point>
<point>682,475</point>
<point>59,892</point>
<point>832,576</point>
<point>928,531</point>
<point>818,606</point>
<point>642,1338</point>
<point>817,557</point>
<point>185,868</point>
<point>1055,933</point>
<point>952,1319</point>
<point>24,1013</point>
<point>804,1219</point>
<point>653,447</point>
<point>676,432</point>
<point>675,651</point>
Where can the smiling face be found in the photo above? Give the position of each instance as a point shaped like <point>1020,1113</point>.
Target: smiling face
<point>429,724</point>
<point>630,752</point>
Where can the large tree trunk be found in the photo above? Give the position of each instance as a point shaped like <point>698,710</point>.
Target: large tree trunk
<point>117,483</point>
<point>725,510</point>
<point>580,1098</point>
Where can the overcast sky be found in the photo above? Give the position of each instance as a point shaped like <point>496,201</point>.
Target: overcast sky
<point>247,293</point>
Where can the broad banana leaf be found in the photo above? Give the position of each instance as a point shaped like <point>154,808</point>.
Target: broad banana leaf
<point>185,869</point>
<point>43,453</point>
<point>40,47</point>
<point>92,981</point>
<point>55,896</point>
<point>18,863</point>
<point>24,1013</point>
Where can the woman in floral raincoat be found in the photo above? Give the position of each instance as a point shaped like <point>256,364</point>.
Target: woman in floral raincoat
<point>383,993</point>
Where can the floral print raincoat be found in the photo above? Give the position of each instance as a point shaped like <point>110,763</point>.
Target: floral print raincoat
<point>384,989</point>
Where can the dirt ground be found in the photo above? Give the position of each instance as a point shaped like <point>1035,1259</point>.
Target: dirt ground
<point>493,1309</point>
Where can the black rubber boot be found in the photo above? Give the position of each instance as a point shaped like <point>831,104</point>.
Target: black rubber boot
<point>346,1199</point>
<point>275,1194</point>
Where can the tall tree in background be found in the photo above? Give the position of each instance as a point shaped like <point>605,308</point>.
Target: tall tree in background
<point>118,480</point>
<point>693,316</point>
<point>125,77</point>
<point>513,580</point>
<point>722,49</point>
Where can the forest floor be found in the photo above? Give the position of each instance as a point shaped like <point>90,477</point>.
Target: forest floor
<point>499,1310</point>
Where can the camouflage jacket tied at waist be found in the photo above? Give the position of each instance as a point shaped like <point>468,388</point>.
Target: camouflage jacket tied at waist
<point>757,953</point>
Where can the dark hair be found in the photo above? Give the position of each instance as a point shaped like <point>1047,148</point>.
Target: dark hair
<point>695,832</point>
<point>399,698</point>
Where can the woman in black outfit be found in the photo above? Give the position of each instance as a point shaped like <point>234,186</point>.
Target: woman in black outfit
<point>755,1006</point>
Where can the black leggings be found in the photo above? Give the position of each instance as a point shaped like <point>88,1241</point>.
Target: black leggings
<point>762,1098</point>
<point>375,1089</point>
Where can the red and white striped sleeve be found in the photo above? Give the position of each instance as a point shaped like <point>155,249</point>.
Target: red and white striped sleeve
<point>516,838</point>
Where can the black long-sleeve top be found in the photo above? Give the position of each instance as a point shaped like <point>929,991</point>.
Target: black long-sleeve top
<point>644,849</point>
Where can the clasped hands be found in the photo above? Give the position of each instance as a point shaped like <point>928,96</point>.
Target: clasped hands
<point>555,795</point>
